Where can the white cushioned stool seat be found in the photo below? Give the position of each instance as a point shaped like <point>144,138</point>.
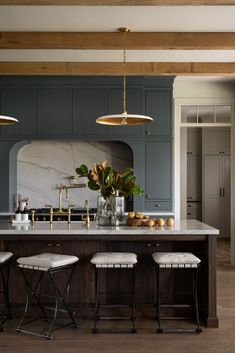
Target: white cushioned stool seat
<point>46,261</point>
<point>176,259</point>
<point>4,256</point>
<point>114,259</point>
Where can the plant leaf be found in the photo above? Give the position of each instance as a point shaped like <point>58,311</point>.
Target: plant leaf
<point>93,185</point>
<point>82,170</point>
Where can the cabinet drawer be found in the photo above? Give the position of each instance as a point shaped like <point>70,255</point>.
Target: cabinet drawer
<point>158,205</point>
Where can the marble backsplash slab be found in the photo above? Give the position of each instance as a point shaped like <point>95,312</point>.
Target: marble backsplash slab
<point>43,165</point>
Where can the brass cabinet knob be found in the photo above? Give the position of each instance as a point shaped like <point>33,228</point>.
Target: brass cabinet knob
<point>157,204</point>
<point>147,132</point>
<point>147,196</point>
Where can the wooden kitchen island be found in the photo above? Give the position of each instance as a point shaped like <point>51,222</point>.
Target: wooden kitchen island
<point>77,239</point>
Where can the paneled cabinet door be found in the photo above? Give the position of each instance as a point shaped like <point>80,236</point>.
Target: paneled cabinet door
<point>194,142</point>
<point>19,103</point>
<point>216,142</point>
<point>134,106</point>
<point>89,104</point>
<point>158,106</point>
<point>158,173</point>
<point>217,193</point>
<point>54,111</point>
<point>194,178</point>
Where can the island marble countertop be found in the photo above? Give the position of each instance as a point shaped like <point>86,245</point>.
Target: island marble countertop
<point>186,227</point>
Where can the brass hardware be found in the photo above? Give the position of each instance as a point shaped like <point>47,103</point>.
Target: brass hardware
<point>147,132</point>
<point>157,204</point>
<point>62,187</point>
<point>33,216</point>
<point>87,220</point>
<point>69,213</point>
<point>49,244</point>
<point>57,244</point>
<point>147,196</point>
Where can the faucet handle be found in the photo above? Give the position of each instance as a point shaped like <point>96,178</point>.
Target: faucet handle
<point>69,213</point>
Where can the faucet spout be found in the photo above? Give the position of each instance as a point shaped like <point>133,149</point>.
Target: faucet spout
<point>62,188</point>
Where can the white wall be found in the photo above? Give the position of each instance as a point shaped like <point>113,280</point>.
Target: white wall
<point>202,91</point>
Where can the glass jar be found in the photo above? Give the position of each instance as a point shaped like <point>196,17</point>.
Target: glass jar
<point>110,211</point>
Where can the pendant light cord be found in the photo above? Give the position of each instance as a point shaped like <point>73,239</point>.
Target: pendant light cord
<point>124,80</point>
<point>124,31</point>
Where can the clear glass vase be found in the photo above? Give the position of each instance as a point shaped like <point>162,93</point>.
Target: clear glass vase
<point>110,212</point>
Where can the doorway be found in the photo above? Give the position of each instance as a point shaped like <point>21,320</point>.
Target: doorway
<point>206,171</point>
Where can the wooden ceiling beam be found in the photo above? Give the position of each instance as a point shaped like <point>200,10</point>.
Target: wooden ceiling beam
<point>116,69</point>
<point>114,40</point>
<point>118,2</point>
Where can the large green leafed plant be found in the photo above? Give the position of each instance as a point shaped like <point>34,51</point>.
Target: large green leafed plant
<point>105,179</point>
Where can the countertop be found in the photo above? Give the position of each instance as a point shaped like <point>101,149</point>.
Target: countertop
<point>187,227</point>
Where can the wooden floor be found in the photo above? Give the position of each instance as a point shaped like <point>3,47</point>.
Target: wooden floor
<point>70,340</point>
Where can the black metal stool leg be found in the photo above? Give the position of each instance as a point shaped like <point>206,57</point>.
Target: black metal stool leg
<point>158,304</point>
<point>134,330</point>
<point>195,275</point>
<point>94,330</point>
<point>5,273</point>
<point>60,300</point>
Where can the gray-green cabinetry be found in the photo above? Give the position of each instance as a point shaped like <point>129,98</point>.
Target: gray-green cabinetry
<point>158,106</point>
<point>89,104</point>
<point>54,111</point>
<point>19,103</point>
<point>158,189</point>
<point>67,107</point>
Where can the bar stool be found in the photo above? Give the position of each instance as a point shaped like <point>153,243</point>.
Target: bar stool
<point>5,263</point>
<point>114,260</point>
<point>181,261</point>
<point>47,264</point>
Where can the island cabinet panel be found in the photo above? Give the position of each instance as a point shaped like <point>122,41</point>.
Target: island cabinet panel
<point>88,105</point>
<point>54,111</point>
<point>158,179</point>
<point>134,103</point>
<point>19,103</point>
<point>158,105</point>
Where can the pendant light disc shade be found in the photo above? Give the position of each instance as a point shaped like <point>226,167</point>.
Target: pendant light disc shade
<point>124,119</point>
<point>7,120</point>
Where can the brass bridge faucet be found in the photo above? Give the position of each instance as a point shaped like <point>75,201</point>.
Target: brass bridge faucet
<point>62,187</point>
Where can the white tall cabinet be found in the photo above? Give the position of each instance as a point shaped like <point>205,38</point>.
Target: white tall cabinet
<point>216,179</point>
<point>194,173</point>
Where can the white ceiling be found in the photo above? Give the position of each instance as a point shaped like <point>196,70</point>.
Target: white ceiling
<point>109,18</point>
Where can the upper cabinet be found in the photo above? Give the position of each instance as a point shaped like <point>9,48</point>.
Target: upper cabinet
<point>54,111</point>
<point>134,106</point>
<point>158,105</point>
<point>194,142</point>
<point>89,104</point>
<point>20,104</point>
<point>216,141</point>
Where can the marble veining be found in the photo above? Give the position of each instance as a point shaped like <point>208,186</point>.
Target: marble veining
<point>43,165</point>
<point>187,227</point>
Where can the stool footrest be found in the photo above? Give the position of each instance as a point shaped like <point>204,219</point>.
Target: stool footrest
<point>115,318</point>
<point>175,306</point>
<point>103,330</point>
<point>178,330</point>
<point>106,306</point>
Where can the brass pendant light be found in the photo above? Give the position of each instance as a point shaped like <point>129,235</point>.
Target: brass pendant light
<point>124,118</point>
<point>7,120</point>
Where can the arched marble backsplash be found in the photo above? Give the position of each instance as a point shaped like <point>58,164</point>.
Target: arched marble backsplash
<point>43,165</point>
